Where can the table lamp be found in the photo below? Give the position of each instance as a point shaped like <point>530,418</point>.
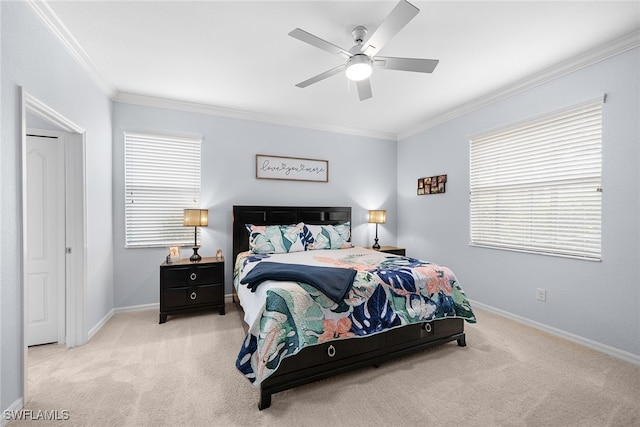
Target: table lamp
<point>196,218</point>
<point>377,217</point>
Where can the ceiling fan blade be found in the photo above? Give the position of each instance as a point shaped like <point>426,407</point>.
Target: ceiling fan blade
<point>306,37</point>
<point>322,76</point>
<point>364,89</point>
<point>397,19</point>
<point>406,64</point>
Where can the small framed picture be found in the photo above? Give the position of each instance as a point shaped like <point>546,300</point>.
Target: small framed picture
<point>174,253</point>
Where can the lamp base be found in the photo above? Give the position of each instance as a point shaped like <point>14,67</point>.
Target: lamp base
<point>195,257</point>
<point>376,246</point>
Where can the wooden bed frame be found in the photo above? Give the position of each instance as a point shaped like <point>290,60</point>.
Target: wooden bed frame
<point>331,358</point>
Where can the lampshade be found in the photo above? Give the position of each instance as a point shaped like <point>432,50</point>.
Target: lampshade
<point>378,217</point>
<point>358,67</point>
<point>196,217</point>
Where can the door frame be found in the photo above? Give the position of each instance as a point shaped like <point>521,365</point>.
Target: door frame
<point>75,288</point>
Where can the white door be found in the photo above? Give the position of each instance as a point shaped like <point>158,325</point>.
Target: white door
<point>45,275</point>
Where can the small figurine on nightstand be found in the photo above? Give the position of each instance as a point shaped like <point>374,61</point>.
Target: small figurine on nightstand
<point>219,253</point>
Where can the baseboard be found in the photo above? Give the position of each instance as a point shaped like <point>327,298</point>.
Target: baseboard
<point>152,306</point>
<point>11,413</point>
<point>603,348</point>
<point>594,345</point>
<point>228,298</point>
<point>99,325</point>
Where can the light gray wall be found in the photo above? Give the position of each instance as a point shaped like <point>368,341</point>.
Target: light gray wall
<point>34,59</point>
<point>362,174</point>
<point>594,300</point>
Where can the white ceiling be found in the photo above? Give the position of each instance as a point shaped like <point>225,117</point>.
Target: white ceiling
<point>237,57</point>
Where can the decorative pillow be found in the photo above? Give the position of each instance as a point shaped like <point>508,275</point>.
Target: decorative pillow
<point>275,239</point>
<point>327,236</point>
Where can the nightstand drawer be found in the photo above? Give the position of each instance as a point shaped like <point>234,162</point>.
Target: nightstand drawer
<point>193,295</point>
<point>178,277</point>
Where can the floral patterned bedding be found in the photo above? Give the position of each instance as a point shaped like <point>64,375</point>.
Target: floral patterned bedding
<point>388,291</point>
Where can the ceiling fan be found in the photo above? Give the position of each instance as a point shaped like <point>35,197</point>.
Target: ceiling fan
<point>362,57</point>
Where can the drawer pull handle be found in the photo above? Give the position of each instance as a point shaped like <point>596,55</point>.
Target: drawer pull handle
<point>193,295</point>
<point>193,276</point>
<point>331,351</point>
<point>427,327</point>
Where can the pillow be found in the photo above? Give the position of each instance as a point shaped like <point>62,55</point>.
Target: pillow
<point>275,239</point>
<point>327,236</point>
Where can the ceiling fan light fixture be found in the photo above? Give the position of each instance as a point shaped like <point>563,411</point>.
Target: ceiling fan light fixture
<point>359,67</point>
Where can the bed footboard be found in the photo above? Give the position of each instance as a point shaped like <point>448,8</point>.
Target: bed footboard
<point>335,357</point>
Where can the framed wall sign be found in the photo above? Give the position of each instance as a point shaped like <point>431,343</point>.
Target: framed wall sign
<point>291,168</point>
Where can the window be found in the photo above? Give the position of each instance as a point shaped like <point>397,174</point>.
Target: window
<point>162,178</point>
<point>537,186</point>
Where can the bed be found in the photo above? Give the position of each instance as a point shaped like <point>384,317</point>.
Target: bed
<point>297,333</point>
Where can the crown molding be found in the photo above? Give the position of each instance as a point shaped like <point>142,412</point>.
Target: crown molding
<point>53,23</point>
<point>590,57</point>
<point>193,107</point>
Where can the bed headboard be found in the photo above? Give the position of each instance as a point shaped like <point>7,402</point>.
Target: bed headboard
<point>281,215</point>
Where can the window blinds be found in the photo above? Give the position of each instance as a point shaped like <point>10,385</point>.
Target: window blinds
<point>537,186</point>
<point>162,178</point>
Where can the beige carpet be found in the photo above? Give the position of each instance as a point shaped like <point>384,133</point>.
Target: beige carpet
<point>135,372</point>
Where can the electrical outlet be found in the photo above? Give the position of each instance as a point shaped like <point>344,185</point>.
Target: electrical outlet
<point>541,294</point>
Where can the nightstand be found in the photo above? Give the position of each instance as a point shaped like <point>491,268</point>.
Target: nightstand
<point>392,250</point>
<point>187,286</point>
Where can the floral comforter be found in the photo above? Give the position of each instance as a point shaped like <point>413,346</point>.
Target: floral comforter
<point>388,291</point>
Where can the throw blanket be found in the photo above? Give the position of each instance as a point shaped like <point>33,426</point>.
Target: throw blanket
<point>332,281</point>
<point>388,291</point>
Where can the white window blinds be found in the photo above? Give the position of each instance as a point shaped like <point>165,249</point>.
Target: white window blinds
<point>162,178</point>
<point>537,186</point>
